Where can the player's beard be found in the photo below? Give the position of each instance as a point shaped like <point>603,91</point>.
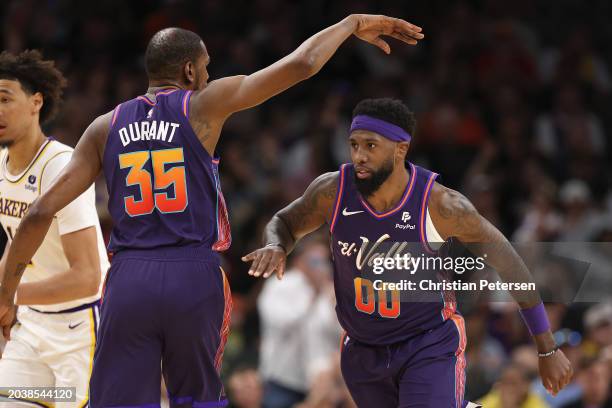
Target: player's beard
<point>370,185</point>
<point>6,143</point>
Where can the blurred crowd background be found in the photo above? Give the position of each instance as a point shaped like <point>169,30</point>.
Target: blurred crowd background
<point>513,105</point>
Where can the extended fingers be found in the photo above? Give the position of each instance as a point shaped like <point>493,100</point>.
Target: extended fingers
<point>280,270</point>
<point>267,263</point>
<point>405,28</point>
<point>406,25</point>
<point>408,35</point>
<point>249,257</point>
<point>382,44</point>
<point>277,263</point>
<point>255,264</point>
<point>403,38</point>
<point>264,266</point>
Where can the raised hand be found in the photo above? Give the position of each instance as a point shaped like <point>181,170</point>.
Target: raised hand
<point>267,260</point>
<point>370,28</point>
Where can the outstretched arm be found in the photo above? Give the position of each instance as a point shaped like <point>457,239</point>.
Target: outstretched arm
<point>225,96</point>
<point>304,215</point>
<point>74,179</point>
<point>454,216</point>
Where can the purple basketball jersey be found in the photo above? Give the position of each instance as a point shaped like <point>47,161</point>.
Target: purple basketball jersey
<point>163,185</point>
<point>359,235</point>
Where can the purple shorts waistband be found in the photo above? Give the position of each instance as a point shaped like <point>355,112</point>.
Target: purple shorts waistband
<point>203,254</point>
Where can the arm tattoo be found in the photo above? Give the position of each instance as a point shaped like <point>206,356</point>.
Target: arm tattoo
<point>19,270</point>
<point>329,192</point>
<point>314,205</point>
<point>305,214</point>
<point>461,220</point>
<point>460,212</point>
<point>203,130</point>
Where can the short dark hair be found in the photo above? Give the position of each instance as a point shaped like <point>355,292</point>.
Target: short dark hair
<point>35,75</point>
<point>390,110</point>
<point>168,50</point>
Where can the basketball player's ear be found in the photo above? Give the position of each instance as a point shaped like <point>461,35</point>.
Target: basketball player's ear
<point>37,102</point>
<point>402,150</point>
<point>189,71</point>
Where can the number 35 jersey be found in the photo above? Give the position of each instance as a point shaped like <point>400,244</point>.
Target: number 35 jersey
<point>163,185</point>
<point>365,247</point>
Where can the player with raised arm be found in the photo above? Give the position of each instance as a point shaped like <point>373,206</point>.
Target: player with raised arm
<point>53,343</point>
<point>398,353</point>
<point>166,298</point>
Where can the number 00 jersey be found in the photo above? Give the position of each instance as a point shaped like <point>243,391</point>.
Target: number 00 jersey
<point>17,192</point>
<point>359,235</point>
<point>163,186</point>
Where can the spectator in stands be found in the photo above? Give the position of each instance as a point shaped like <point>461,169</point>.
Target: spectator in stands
<point>300,331</point>
<point>594,379</point>
<point>598,326</point>
<point>244,388</point>
<point>513,390</point>
<point>328,389</point>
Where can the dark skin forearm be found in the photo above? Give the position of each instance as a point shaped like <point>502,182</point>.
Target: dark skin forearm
<point>277,232</point>
<point>319,48</point>
<point>305,214</point>
<point>301,217</point>
<point>455,216</point>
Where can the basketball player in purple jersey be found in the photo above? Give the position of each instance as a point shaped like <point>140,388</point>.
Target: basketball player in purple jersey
<point>166,299</point>
<point>398,354</point>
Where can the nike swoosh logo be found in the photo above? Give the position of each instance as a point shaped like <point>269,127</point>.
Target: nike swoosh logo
<point>345,212</point>
<point>75,326</point>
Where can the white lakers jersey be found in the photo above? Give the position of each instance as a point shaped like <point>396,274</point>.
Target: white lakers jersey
<point>17,192</point>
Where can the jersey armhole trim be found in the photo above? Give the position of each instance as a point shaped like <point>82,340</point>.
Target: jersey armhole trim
<point>431,232</point>
<point>338,198</point>
<point>111,127</point>
<point>422,219</point>
<point>42,171</point>
<point>115,115</point>
<point>186,99</point>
